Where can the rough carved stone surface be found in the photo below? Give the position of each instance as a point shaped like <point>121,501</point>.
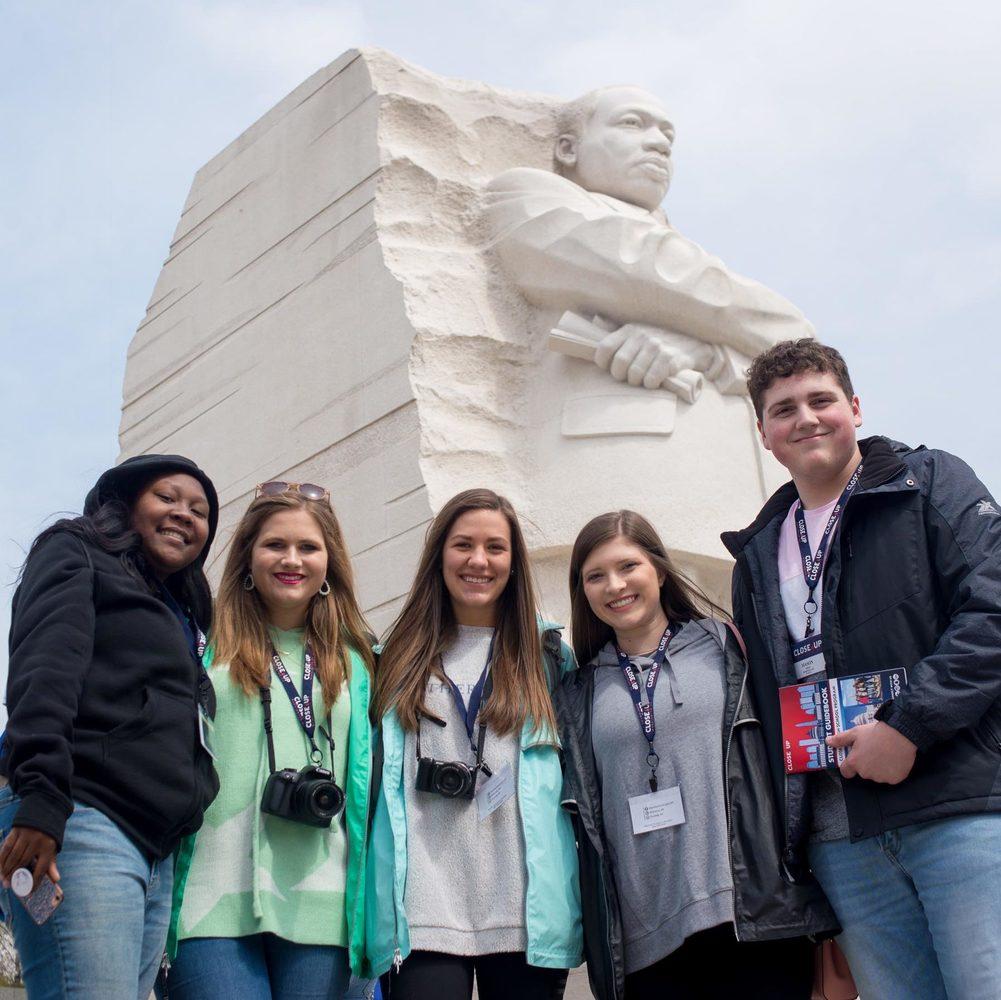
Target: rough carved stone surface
<point>333,308</point>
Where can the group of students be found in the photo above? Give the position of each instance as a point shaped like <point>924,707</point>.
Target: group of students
<point>256,800</point>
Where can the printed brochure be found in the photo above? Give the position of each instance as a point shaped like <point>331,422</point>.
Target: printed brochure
<point>812,712</point>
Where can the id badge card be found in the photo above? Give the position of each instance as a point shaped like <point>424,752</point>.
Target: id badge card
<point>808,657</point>
<point>494,792</point>
<point>656,810</point>
<point>206,731</point>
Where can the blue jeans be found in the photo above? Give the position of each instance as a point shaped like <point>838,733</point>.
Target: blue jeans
<point>258,967</point>
<point>106,938</point>
<point>920,907</point>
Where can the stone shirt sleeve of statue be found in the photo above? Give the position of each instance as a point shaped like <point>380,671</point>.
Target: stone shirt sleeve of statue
<point>593,242</point>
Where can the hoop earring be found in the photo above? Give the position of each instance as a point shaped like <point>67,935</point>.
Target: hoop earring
<point>324,590</point>
<point>248,582</point>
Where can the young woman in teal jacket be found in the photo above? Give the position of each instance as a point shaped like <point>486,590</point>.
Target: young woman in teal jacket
<point>272,896</point>
<point>472,865</point>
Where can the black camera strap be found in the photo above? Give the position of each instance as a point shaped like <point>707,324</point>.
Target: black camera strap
<point>480,693</point>
<point>266,705</point>
<point>477,696</point>
<point>269,730</point>
<point>481,740</point>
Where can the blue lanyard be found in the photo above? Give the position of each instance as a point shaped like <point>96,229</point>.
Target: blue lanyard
<point>470,712</point>
<point>301,703</point>
<point>644,710</point>
<point>195,636</point>
<point>813,565</point>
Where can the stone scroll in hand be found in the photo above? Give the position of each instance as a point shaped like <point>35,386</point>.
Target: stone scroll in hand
<point>579,337</point>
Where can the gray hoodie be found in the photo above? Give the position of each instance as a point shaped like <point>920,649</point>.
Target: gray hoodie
<point>675,881</point>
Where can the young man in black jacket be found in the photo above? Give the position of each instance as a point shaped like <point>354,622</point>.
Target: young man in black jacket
<point>891,557</point>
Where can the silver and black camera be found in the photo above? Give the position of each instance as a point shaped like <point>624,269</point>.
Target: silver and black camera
<point>450,778</point>
<point>309,796</point>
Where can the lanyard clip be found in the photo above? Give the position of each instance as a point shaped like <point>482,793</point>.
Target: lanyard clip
<point>653,762</point>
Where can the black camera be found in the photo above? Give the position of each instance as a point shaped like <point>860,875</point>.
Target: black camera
<point>450,778</point>
<point>309,796</point>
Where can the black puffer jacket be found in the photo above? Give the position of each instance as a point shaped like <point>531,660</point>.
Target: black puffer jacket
<point>913,580</point>
<point>767,904</point>
<point>103,690</point>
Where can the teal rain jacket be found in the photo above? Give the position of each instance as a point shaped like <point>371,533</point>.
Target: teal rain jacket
<point>552,899</point>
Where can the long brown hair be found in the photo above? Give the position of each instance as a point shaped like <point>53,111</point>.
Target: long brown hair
<point>240,632</point>
<point>426,626</point>
<point>680,598</point>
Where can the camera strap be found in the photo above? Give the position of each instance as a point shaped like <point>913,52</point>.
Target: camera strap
<point>302,703</point>
<point>476,696</point>
<point>268,731</point>
<point>266,705</point>
<point>479,694</point>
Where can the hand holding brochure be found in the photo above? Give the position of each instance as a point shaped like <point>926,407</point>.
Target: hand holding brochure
<point>812,712</point>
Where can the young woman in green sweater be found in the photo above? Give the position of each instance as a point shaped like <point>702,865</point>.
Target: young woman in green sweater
<point>274,894</point>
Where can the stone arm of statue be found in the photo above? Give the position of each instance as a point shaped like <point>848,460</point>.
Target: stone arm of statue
<point>571,249</point>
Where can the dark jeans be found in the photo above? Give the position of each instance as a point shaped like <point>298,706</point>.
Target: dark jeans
<point>433,975</point>
<point>714,965</point>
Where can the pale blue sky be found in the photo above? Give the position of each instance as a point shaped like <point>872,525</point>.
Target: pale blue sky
<point>845,154</point>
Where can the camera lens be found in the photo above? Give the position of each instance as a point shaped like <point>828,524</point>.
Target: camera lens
<point>453,779</point>
<point>325,799</point>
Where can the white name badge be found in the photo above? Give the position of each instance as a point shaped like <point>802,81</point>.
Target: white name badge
<point>808,657</point>
<point>656,810</point>
<point>495,791</point>
<point>206,729</point>
<point>811,666</point>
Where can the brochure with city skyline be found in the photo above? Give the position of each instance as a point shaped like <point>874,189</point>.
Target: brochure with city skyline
<point>815,710</point>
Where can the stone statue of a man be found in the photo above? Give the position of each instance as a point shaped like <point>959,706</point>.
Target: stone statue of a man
<point>591,240</point>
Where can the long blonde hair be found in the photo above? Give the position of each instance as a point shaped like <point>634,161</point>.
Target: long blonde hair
<point>426,626</point>
<point>240,630</point>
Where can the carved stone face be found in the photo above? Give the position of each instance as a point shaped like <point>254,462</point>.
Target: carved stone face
<point>624,149</point>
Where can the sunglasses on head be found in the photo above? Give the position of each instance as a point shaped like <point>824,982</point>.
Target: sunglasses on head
<point>277,487</point>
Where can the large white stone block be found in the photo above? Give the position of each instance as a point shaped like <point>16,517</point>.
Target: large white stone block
<point>342,304</point>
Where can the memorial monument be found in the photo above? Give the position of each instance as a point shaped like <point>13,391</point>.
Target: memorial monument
<point>399,286</point>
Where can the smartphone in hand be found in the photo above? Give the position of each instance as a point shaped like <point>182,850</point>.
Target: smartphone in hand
<point>41,903</point>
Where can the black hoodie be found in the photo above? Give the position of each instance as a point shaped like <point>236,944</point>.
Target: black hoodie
<point>102,691</point>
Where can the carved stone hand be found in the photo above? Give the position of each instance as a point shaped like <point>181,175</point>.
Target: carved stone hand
<point>646,355</point>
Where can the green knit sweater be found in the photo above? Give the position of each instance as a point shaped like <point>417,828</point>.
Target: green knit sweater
<point>251,872</point>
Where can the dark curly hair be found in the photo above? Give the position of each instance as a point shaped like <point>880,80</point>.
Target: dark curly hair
<point>791,357</point>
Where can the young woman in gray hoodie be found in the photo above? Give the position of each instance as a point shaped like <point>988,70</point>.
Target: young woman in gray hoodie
<point>682,889</point>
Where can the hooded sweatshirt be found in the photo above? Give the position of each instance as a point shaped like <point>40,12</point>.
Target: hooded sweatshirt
<point>103,690</point>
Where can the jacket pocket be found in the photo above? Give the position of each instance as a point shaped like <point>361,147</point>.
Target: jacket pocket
<point>135,727</point>
<point>150,763</point>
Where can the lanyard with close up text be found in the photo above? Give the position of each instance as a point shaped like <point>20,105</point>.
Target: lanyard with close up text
<point>301,703</point>
<point>644,710</point>
<point>811,645</point>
